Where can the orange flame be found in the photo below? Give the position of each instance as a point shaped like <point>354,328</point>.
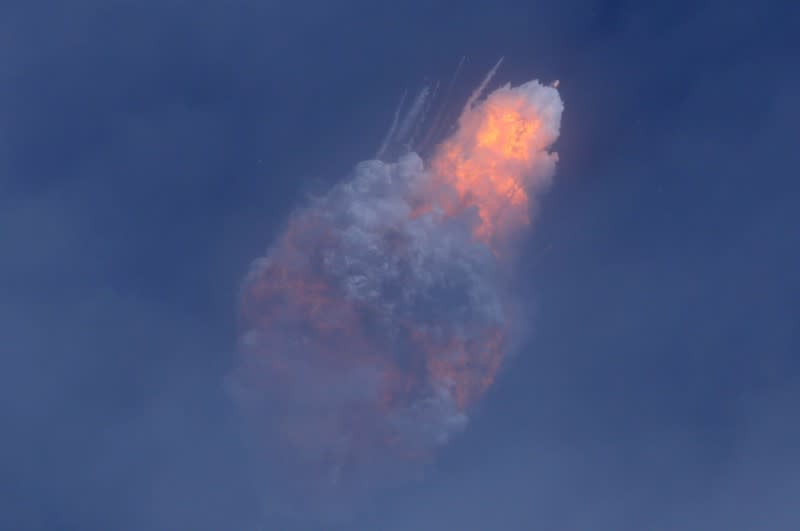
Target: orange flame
<point>490,158</point>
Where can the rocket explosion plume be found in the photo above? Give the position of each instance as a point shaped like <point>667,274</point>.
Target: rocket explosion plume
<point>383,313</point>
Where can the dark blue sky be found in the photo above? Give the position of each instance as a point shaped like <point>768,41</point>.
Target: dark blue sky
<point>150,150</point>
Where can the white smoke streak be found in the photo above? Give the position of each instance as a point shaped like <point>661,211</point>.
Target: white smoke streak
<point>390,133</point>
<point>482,87</point>
<point>411,117</point>
<point>423,115</point>
<point>433,129</point>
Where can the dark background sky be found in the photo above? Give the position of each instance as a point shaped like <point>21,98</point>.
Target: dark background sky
<point>149,150</point>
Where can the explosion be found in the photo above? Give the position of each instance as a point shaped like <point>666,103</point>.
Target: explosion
<point>383,313</point>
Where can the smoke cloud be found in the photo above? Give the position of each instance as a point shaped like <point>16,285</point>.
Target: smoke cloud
<point>380,317</point>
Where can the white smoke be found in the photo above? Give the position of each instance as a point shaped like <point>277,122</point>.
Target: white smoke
<point>425,270</point>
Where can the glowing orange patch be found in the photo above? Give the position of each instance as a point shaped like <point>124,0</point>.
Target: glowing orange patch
<point>486,162</point>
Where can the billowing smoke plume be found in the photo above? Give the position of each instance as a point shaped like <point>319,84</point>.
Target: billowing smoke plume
<point>383,313</point>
